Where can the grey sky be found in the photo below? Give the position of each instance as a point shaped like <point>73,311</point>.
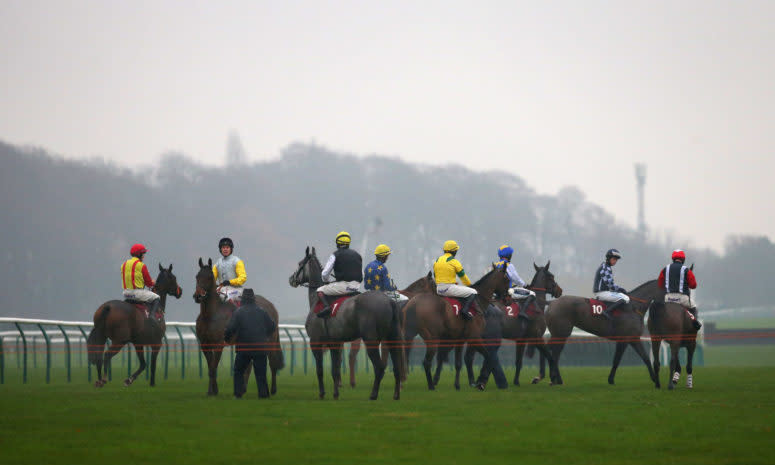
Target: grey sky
<point>560,93</point>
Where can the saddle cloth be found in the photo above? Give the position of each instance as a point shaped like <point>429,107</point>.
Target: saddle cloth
<point>457,305</point>
<point>143,308</point>
<point>513,309</point>
<point>334,305</point>
<point>597,307</point>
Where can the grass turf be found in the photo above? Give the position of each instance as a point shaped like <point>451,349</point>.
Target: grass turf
<point>727,418</point>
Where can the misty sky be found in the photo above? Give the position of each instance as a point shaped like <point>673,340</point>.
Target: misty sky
<point>558,92</point>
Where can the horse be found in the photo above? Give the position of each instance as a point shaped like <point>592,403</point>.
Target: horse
<point>433,318</point>
<point>424,284</point>
<point>625,329</point>
<point>672,323</point>
<point>211,323</point>
<point>122,322</point>
<point>369,316</point>
<point>543,282</point>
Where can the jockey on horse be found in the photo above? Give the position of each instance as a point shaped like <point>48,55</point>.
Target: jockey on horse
<point>676,279</point>
<point>446,270</point>
<point>517,289</point>
<point>230,270</point>
<point>135,278</point>
<point>345,264</point>
<point>377,277</point>
<point>605,289</point>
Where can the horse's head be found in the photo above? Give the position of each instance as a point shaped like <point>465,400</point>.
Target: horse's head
<point>167,283</point>
<point>205,281</point>
<point>543,280</point>
<point>496,281</point>
<point>307,270</point>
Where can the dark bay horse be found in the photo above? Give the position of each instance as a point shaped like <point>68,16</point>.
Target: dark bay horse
<point>369,316</point>
<point>543,282</point>
<point>122,322</point>
<point>433,318</point>
<point>672,323</point>
<point>424,284</point>
<point>625,329</point>
<point>211,323</point>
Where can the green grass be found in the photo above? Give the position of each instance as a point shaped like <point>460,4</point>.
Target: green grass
<point>747,323</point>
<point>727,418</point>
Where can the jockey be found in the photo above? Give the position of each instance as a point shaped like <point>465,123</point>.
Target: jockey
<point>604,288</point>
<point>230,270</point>
<point>345,264</point>
<point>377,277</point>
<point>445,270</point>
<point>517,289</point>
<point>676,279</point>
<point>135,278</point>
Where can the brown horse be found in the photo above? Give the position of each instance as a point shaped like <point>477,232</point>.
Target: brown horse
<point>625,329</point>
<point>424,284</point>
<point>672,323</point>
<point>543,282</point>
<point>369,316</point>
<point>433,318</point>
<point>122,322</point>
<point>211,323</point>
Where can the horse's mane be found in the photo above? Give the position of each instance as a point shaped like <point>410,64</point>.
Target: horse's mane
<point>647,283</point>
<point>479,281</point>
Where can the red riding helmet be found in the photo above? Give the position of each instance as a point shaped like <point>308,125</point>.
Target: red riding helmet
<point>679,254</point>
<point>137,250</point>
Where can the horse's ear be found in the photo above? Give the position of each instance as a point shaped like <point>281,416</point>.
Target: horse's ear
<point>547,265</point>
<point>692,267</point>
<point>430,275</point>
<point>170,270</point>
<point>209,263</point>
<point>161,268</point>
<point>535,266</point>
<point>201,265</point>
<point>306,252</point>
<point>493,266</point>
<point>313,250</point>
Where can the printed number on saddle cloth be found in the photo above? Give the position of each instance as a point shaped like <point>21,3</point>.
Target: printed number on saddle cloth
<point>457,309</point>
<point>597,309</point>
<point>511,311</point>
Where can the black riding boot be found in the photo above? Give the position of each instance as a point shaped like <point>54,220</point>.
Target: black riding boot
<point>326,306</point>
<point>695,321</point>
<point>466,304</point>
<point>610,308</point>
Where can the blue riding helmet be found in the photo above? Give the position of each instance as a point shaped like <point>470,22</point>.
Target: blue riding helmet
<point>505,251</point>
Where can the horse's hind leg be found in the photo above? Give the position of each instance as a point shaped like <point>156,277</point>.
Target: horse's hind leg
<point>212,370</point>
<point>430,352</point>
<point>520,348</point>
<point>372,349</point>
<point>674,366</point>
<point>655,345</point>
<point>690,346</point>
<point>620,348</point>
<point>641,351</point>
<point>109,354</point>
<point>140,351</point>
<point>468,358</point>
<point>318,354</point>
<point>441,356</point>
<point>355,347</point>
<point>154,355</point>
<point>557,343</point>
<point>545,356</point>
<point>458,365</point>
<point>336,367</point>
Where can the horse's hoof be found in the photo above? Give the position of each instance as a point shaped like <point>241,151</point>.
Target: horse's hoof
<point>611,381</point>
<point>352,385</point>
<point>336,396</point>
<point>457,387</point>
<point>322,395</point>
<point>536,380</point>
<point>396,396</point>
<point>127,382</point>
<point>431,388</point>
<point>273,391</point>
<point>472,384</point>
<point>670,386</point>
<point>373,397</point>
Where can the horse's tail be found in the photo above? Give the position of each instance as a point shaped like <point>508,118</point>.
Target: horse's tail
<point>95,343</point>
<point>276,357</point>
<point>398,337</point>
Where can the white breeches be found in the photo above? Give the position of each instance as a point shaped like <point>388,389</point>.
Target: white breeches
<point>340,288</point>
<point>454,290</point>
<point>610,296</point>
<point>230,293</point>
<point>518,293</point>
<point>679,298</point>
<point>143,295</point>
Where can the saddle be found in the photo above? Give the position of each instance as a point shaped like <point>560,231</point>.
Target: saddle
<point>517,308</point>
<point>144,309</point>
<point>457,305</point>
<point>335,304</point>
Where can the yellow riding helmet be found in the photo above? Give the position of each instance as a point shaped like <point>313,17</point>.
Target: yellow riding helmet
<point>343,238</point>
<point>450,246</point>
<point>382,250</point>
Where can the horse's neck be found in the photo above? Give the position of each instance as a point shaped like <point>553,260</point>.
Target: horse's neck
<point>541,298</point>
<point>209,305</point>
<point>163,301</point>
<point>484,289</point>
<point>313,296</point>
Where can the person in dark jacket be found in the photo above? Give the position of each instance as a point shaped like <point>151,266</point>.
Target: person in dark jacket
<point>492,336</point>
<point>251,327</point>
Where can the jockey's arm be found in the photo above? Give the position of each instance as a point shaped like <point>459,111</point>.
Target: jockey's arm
<point>242,277</point>
<point>691,280</point>
<point>328,268</point>
<point>147,277</point>
<point>215,273</point>
<point>516,280</point>
<point>661,279</point>
<point>463,277</point>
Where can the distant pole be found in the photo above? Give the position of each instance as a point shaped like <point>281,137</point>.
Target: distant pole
<point>640,177</point>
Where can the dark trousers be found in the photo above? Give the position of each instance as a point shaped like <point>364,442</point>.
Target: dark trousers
<point>492,365</point>
<point>241,362</point>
